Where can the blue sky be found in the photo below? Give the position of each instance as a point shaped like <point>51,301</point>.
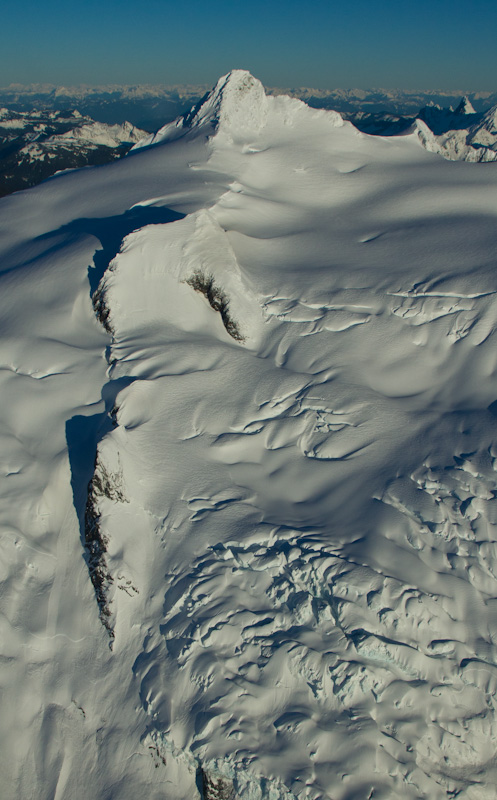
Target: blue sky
<point>427,45</point>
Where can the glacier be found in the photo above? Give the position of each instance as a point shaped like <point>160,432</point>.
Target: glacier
<point>258,566</point>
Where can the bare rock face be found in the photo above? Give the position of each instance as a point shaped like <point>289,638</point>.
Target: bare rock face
<point>102,485</point>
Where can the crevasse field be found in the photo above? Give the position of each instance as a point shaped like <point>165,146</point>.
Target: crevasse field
<point>248,452</point>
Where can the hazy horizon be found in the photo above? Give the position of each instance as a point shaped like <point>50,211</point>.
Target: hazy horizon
<point>44,86</point>
<point>324,45</point>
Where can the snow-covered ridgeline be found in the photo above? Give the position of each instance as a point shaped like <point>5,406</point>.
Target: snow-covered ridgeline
<point>457,135</point>
<point>298,523</point>
<point>35,145</point>
<point>87,136</point>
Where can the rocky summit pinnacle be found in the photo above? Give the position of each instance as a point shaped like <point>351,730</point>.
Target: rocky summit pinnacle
<point>465,106</point>
<point>236,103</point>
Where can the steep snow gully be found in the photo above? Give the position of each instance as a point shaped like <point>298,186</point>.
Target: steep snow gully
<point>249,467</point>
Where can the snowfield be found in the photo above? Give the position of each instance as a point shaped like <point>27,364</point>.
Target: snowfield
<point>249,478</point>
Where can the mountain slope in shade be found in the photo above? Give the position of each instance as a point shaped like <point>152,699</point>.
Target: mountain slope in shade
<point>248,502</point>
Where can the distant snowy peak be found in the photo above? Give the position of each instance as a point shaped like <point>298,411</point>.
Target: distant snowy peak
<point>236,106</point>
<point>85,136</point>
<point>489,120</point>
<point>484,133</point>
<point>100,134</point>
<point>465,107</point>
<point>441,120</point>
<point>466,136</point>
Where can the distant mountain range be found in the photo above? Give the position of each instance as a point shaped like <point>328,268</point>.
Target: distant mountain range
<point>460,134</point>
<point>146,107</point>
<point>149,107</point>
<point>36,144</point>
<point>45,129</point>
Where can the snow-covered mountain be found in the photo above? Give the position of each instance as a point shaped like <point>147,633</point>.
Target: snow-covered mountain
<point>440,120</point>
<point>460,135</point>
<point>249,467</point>
<point>34,145</point>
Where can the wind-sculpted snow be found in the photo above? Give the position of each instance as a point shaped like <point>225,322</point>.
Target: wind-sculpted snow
<point>290,534</point>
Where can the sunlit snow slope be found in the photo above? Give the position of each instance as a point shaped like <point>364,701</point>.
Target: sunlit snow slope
<point>249,449</point>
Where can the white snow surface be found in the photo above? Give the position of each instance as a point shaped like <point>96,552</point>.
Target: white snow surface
<point>299,523</point>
